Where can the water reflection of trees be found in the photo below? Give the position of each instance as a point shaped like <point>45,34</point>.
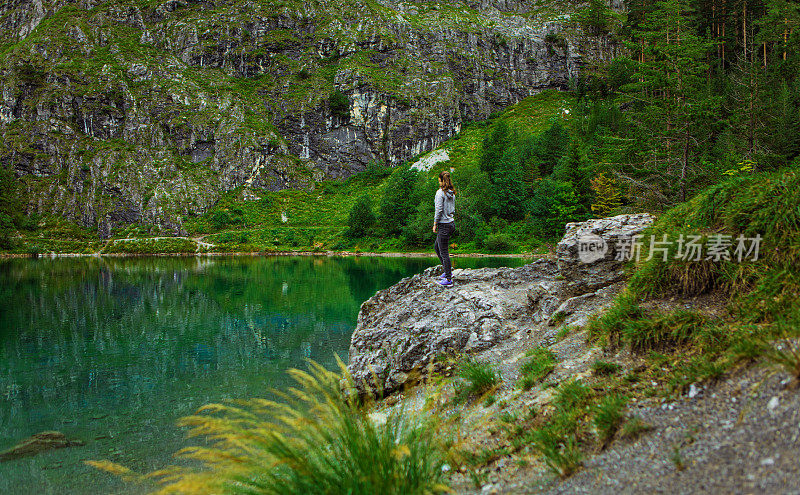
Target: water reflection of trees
<point>86,334</point>
<point>89,333</point>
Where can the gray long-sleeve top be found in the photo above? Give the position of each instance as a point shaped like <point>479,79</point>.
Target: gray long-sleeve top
<point>445,203</point>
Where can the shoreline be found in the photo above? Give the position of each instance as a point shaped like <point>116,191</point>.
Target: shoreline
<point>271,253</point>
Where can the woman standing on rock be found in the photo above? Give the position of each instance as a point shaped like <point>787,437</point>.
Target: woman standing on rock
<point>444,224</point>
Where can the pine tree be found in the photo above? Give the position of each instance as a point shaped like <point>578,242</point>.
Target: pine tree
<point>494,145</point>
<point>9,207</point>
<point>574,168</point>
<point>553,204</point>
<point>775,28</point>
<point>553,143</point>
<point>746,105</point>
<point>784,114</point>
<point>671,97</point>
<point>597,17</point>
<point>508,191</point>
<point>608,196</point>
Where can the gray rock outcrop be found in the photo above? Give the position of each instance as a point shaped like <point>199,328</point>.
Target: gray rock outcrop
<point>592,252</point>
<point>405,330</point>
<point>590,256</point>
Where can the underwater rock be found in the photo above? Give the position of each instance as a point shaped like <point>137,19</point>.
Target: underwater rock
<point>38,443</point>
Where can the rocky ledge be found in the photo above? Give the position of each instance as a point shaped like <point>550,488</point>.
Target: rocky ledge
<point>406,330</point>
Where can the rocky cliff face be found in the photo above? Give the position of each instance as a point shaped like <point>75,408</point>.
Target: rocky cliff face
<point>114,112</point>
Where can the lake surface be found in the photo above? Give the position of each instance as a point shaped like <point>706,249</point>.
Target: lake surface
<point>113,351</point>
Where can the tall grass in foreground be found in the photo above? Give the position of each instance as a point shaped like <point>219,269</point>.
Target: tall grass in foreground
<point>319,440</point>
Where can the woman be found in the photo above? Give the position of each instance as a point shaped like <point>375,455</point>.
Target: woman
<point>443,224</point>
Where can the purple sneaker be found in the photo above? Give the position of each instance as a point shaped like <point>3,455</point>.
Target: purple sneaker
<point>445,283</point>
<point>442,276</point>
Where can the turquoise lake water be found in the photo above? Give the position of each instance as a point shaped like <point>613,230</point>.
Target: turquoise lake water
<point>112,351</point>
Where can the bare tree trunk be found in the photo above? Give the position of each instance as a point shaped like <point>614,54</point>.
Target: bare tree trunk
<point>785,36</point>
<point>685,163</point>
<point>744,24</point>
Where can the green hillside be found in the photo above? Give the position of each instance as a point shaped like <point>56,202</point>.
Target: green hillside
<point>317,218</point>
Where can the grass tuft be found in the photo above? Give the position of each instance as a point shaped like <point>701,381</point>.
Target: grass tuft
<point>571,395</point>
<point>480,378</point>
<point>609,326</point>
<point>562,332</point>
<point>541,363</point>
<point>608,417</point>
<point>601,367</point>
<point>560,452</point>
<point>677,459</point>
<point>633,428</point>
<point>663,331</point>
<point>785,350</point>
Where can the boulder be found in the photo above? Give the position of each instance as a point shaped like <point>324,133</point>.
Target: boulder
<point>589,255</point>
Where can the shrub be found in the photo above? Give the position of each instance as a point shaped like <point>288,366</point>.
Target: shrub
<point>499,243</point>
<point>152,246</point>
<point>220,219</point>
<point>339,104</point>
<point>376,172</point>
<point>318,441</point>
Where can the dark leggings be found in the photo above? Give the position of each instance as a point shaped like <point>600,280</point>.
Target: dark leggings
<point>442,246</point>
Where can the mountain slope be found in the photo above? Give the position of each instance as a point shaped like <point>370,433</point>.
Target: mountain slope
<point>134,111</point>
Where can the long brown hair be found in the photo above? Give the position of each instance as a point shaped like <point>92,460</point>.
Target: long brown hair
<point>448,183</point>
